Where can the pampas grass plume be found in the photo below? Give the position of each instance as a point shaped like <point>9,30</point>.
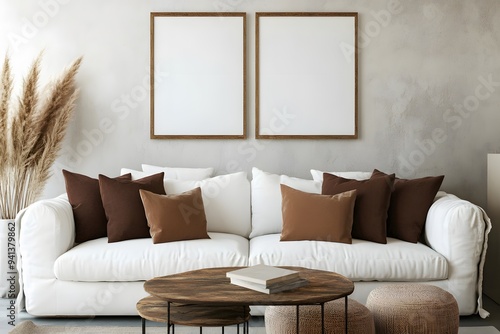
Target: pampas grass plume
<point>31,132</point>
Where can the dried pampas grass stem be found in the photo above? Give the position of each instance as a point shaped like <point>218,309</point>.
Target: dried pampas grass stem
<point>31,132</point>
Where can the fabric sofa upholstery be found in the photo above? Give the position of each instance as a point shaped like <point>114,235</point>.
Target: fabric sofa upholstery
<point>140,259</point>
<point>360,261</point>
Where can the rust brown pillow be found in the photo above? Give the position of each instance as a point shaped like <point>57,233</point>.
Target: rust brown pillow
<point>410,202</point>
<point>123,206</point>
<point>308,216</point>
<point>175,217</point>
<point>372,202</point>
<point>86,203</point>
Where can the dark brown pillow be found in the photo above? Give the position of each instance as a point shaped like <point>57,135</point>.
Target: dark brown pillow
<point>123,206</point>
<point>175,217</point>
<point>410,202</point>
<point>372,202</point>
<point>85,199</point>
<point>308,216</point>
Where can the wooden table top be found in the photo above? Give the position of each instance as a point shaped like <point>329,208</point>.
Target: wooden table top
<point>211,287</point>
<point>156,309</point>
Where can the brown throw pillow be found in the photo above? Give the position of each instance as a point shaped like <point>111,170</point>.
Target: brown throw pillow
<point>410,202</point>
<point>372,202</point>
<point>175,217</point>
<point>308,216</point>
<point>86,203</point>
<point>123,206</point>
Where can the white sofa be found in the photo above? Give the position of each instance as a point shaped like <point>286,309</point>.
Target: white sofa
<point>61,278</point>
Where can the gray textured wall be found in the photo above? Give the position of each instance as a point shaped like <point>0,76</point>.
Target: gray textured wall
<point>429,89</point>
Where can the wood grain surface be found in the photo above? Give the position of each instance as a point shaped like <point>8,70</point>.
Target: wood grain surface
<point>211,287</point>
<point>155,309</point>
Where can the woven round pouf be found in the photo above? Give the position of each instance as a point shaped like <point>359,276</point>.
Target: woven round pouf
<point>413,308</point>
<point>282,319</point>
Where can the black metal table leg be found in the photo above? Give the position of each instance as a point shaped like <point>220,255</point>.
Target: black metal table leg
<point>322,318</point>
<point>346,315</point>
<point>168,318</point>
<point>297,318</point>
<point>143,325</point>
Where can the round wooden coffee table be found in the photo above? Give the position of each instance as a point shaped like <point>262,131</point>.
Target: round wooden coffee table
<point>209,288</point>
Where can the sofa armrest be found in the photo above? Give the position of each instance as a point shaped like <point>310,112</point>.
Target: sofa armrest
<point>46,229</point>
<point>458,230</point>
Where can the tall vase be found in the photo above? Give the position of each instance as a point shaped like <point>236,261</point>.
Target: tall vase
<point>9,285</point>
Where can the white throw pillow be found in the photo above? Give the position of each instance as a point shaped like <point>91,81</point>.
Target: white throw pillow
<point>267,217</point>
<point>308,186</point>
<point>226,199</point>
<point>136,174</point>
<point>196,174</point>
<point>172,186</point>
<point>266,203</point>
<point>318,175</point>
<point>179,186</point>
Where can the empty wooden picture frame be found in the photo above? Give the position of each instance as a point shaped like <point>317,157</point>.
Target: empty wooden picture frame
<point>306,75</point>
<point>201,91</point>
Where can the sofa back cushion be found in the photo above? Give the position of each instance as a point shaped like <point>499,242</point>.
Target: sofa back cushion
<point>318,217</point>
<point>86,203</point>
<point>267,215</point>
<point>318,175</point>
<point>226,199</point>
<point>410,202</point>
<point>123,206</point>
<point>372,203</point>
<point>179,173</point>
<point>175,217</point>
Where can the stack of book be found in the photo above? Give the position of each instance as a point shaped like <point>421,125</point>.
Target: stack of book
<point>266,279</point>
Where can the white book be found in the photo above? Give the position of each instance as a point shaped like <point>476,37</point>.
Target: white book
<point>293,284</point>
<point>263,274</point>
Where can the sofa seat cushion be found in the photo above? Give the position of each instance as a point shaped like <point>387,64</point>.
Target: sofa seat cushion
<point>360,261</point>
<point>140,259</point>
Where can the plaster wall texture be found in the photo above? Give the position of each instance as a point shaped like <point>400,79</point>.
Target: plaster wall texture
<point>429,89</point>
